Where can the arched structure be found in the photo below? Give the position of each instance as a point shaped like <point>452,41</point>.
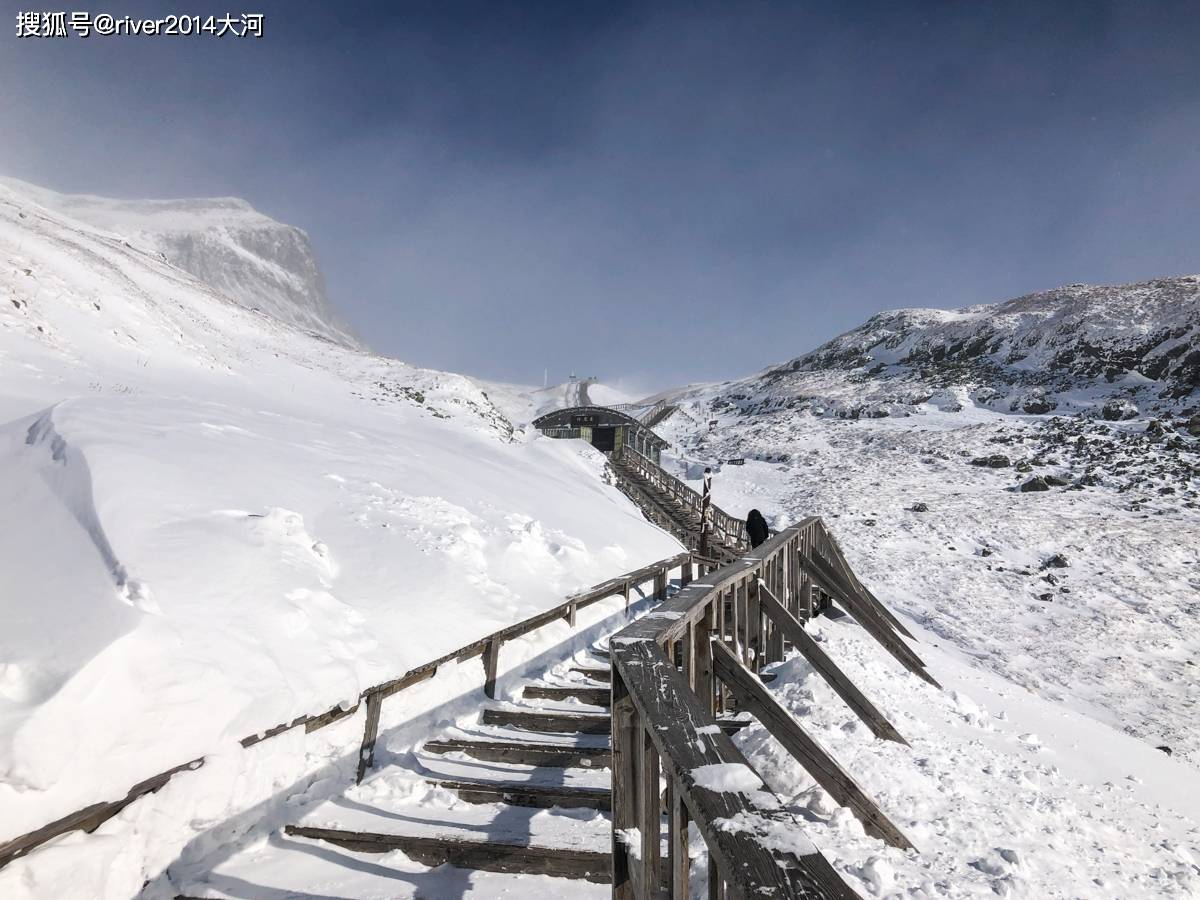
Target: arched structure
<point>604,428</point>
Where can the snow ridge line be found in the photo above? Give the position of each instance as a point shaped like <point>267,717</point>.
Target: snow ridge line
<point>91,817</point>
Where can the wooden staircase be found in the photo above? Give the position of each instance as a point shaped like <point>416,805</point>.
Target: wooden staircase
<point>668,512</point>
<point>524,792</point>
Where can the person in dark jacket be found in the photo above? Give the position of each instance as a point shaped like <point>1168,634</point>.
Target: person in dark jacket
<point>756,528</point>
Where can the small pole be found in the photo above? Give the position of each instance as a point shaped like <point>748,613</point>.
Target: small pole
<point>705,511</point>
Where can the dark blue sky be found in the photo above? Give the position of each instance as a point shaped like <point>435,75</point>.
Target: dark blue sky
<point>660,193</point>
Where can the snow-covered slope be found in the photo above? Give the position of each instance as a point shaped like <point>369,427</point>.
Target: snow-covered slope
<point>1022,483</point>
<point>1112,351</point>
<point>213,523</point>
<point>250,258</point>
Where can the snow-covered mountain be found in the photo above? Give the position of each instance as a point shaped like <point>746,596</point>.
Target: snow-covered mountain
<point>264,265</point>
<point>212,521</point>
<point>1113,351</point>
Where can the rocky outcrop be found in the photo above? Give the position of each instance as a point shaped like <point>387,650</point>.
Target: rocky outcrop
<point>247,257</point>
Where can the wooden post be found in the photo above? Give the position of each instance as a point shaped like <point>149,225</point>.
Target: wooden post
<point>570,614</point>
<point>754,641</point>
<point>716,884</point>
<point>739,618</point>
<point>705,631</point>
<point>366,753</point>
<point>491,662</point>
<point>650,801</point>
<point>688,654</point>
<point>624,786</point>
<point>677,843</point>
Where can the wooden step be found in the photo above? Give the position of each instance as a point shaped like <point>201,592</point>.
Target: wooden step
<point>594,673</point>
<point>518,793</point>
<point>488,856</point>
<point>553,722</point>
<point>595,696</point>
<point>560,755</point>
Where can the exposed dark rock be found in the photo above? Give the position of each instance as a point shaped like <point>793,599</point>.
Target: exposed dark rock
<point>1035,484</point>
<point>1118,410</point>
<point>1038,405</point>
<point>1057,561</point>
<point>919,507</point>
<point>993,461</point>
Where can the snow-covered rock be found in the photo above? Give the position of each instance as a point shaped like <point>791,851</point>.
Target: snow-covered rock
<point>250,258</point>
<point>1111,351</point>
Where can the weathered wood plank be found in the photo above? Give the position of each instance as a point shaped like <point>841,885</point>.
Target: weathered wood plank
<point>519,793</point>
<point>366,752</point>
<point>753,866</point>
<point>593,696</point>
<point>90,818</point>
<point>869,600</point>
<point>328,718</point>
<point>556,755</point>
<point>828,669</point>
<point>874,626</point>
<point>804,749</point>
<point>624,790</point>
<point>649,805</point>
<point>489,856</point>
<point>839,558</point>
<point>677,844</point>
<point>553,722</point>
<point>593,673</point>
<point>491,664</point>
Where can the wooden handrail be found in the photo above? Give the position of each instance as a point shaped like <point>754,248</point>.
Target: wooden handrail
<point>728,529</point>
<point>91,817</point>
<point>671,674</point>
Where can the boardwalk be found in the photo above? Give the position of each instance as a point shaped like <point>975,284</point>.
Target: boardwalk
<point>586,779</point>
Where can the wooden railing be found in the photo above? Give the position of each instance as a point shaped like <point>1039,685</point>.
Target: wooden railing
<point>371,699</point>
<point>727,529</point>
<point>646,417</point>
<point>675,671</point>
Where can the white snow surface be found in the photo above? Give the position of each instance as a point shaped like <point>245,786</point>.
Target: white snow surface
<point>727,777</point>
<point>1037,772</point>
<point>214,523</point>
